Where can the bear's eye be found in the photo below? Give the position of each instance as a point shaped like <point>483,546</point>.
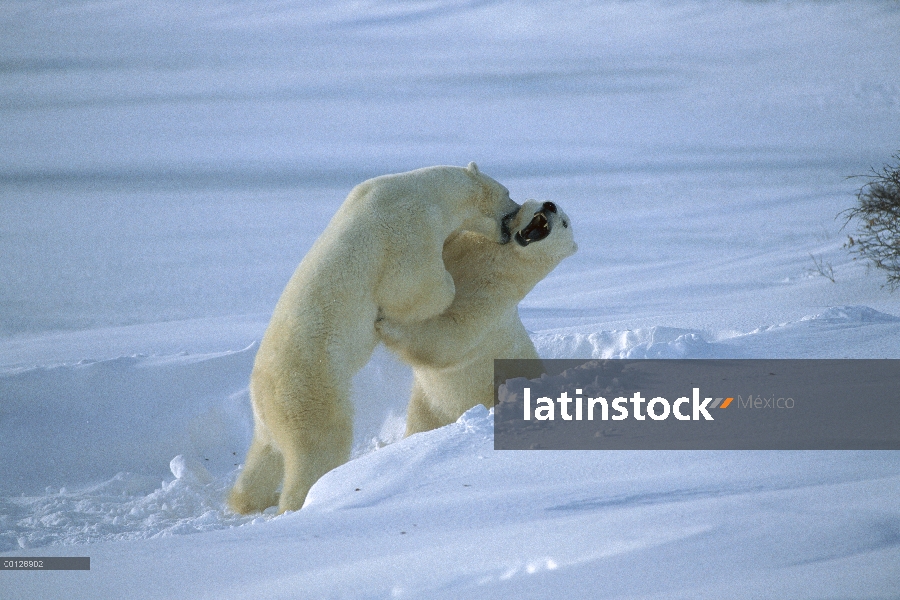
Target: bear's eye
<point>565,224</point>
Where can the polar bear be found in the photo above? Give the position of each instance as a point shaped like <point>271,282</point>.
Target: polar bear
<point>452,354</point>
<point>380,254</point>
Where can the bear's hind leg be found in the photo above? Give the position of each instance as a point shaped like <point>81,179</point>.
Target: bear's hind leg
<point>256,486</point>
<point>312,451</point>
<point>419,414</point>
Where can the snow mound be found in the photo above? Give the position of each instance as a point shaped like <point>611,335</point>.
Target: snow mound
<point>396,471</point>
<point>130,414</point>
<point>653,342</point>
<point>851,314</point>
<point>863,333</point>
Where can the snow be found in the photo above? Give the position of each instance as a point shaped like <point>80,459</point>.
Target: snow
<point>164,167</point>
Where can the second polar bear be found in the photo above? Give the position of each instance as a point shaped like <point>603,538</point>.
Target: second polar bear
<point>452,354</point>
<point>380,254</point>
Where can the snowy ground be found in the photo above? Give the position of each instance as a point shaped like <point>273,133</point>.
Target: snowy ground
<point>164,166</point>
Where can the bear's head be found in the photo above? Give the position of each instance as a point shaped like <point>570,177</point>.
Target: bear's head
<point>543,231</point>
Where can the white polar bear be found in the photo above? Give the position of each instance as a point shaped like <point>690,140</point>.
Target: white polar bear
<point>453,354</point>
<point>380,254</point>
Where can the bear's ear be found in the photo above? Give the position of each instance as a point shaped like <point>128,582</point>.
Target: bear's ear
<point>473,168</point>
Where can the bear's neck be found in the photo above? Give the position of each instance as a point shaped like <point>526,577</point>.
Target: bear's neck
<point>518,285</point>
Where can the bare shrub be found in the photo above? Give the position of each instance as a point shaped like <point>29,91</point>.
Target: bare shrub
<point>877,215</point>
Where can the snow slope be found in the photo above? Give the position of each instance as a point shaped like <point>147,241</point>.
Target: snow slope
<point>163,168</point>
<point>443,515</point>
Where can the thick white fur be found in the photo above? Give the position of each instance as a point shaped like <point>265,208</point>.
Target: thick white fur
<point>380,252</point>
<point>452,354</point>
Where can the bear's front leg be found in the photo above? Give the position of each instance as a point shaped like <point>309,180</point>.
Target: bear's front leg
<point>438,342</point>
<point>392,333</point>
<point>415,292</point>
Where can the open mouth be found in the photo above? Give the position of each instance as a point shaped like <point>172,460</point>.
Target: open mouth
<point>538,228</point>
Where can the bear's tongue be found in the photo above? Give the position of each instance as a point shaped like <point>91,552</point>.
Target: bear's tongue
<point>536,230</point>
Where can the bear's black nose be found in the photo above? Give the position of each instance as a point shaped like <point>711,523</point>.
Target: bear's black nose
<point>549,207</point>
